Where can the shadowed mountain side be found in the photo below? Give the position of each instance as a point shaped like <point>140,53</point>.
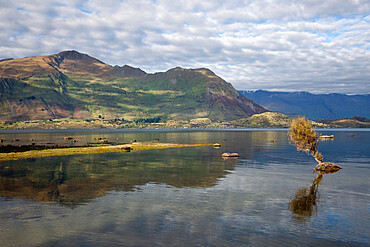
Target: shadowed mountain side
<point>95,88</point>
<point>24,101</point>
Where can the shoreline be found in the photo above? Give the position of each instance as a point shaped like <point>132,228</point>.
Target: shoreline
<point>93,150</point>
<point>263,120</point>
<point>9,131</point>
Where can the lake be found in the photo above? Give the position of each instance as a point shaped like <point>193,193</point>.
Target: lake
<point>190,196</point>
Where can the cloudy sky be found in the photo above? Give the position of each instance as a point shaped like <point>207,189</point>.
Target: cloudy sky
<point>320,46</point>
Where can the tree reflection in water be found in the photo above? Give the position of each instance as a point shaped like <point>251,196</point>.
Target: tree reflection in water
<point>304,204</point>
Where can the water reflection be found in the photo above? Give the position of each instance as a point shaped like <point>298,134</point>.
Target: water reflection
<point>74,180</point>
<point>304,204</point>
<point>187,196</point>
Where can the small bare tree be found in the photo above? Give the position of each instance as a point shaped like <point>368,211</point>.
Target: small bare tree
<point>304,137</point>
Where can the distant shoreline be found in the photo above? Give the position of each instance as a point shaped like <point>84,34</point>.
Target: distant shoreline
<point>7,131</point>
<point>168,128</point>
<point>263,120</point>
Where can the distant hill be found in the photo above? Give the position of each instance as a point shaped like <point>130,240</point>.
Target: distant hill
<point>313,106</point>
<point>354,122</point>
<point>75,85</point>
<point>264,120</point>
<point>276,120</point>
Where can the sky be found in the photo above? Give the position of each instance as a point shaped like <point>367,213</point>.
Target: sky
<point>278,45</point>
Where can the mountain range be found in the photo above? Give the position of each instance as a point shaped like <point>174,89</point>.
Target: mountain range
<point>75,85</point>
<point>313,106</point>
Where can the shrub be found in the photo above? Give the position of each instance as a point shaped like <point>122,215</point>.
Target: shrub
<point>304,137</point>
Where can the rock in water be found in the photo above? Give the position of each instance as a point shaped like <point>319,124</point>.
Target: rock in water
<point>230,155</point>
<point>328,167</point>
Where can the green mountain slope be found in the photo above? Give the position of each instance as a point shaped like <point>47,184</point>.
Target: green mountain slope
<point>75,85</point>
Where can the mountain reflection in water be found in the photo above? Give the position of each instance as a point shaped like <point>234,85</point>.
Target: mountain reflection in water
<point>68,181</point>
<point>72,181</point>
<point>187,196</point>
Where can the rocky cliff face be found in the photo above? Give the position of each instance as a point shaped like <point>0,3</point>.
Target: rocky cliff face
<point>72,84</point>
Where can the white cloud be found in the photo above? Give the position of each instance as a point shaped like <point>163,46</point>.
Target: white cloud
<point>313,45</point>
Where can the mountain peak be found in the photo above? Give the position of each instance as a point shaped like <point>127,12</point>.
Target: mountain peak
<point>204,71</point>
<point>176,69</point>
<point>128,71</point>
<point>75,55</point>
<point>6,59</point>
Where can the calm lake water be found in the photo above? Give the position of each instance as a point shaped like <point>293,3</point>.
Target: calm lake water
<point>187,196</point>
